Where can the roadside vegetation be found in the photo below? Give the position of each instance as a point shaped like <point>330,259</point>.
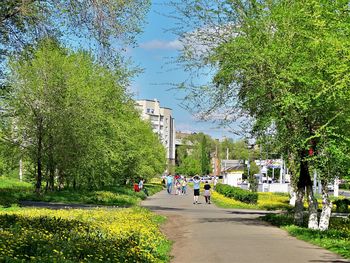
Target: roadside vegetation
<point>266,201</point>
<point>104,234</point>
<point>93,235</point>
<point>12,192</point>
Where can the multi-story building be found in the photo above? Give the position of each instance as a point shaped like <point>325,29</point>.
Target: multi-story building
<point>162,123</point>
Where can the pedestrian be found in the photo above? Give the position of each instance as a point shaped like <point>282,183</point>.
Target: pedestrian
<point>207,192</point>
<point>184,186</point>
<point>140,184</point>
<point>178,187</point>
<point>196,187</point>
<point>169,182</point>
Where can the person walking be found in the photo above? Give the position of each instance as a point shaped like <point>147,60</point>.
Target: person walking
<point>178,187</point>
<point>196,187</point>
<point>184,186</point>
<point>141,184</point>
<point>207,192</point>
<point>169,183</point>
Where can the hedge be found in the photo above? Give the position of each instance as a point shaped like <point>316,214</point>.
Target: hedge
<point>237,193</point>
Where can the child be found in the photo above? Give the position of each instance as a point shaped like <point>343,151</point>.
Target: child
<point>207,192</point>
<point>178,187</point>
<point>184,186</point>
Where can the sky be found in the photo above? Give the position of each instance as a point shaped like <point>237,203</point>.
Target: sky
<point>156,47</point>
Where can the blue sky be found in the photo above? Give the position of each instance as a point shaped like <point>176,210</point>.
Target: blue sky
<point>156,47</point>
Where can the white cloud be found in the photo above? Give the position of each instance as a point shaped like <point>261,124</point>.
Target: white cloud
<point>160,44</point>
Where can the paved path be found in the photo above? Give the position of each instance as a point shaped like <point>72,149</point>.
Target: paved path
<point>204,233</point>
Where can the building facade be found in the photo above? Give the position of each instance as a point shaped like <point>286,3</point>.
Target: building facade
<point>162,123</point>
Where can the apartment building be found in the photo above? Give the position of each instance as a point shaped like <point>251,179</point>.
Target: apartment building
<point>162,123</point>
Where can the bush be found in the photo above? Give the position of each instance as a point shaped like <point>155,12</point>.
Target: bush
<point>345,186</point>
<point>237,193</point>
<point>342,205</point>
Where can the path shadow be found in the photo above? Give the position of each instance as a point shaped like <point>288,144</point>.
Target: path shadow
<point>330,261</point>
<point>55,206</point>
<point>163,208</point>
<point>244,221</point>
<point>248,212</point>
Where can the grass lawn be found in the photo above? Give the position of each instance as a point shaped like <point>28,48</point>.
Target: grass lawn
<point>12,192</point>
<point>74,235</point>
<point>80,235</point>
<point>266,201</point>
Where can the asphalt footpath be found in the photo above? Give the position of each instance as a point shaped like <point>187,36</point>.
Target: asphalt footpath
<point>204,233</point>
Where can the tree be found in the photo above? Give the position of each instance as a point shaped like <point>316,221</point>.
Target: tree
<point>196,150</point>
<point>73,120</point>
<point>99,25</point>
<point>284,64</point>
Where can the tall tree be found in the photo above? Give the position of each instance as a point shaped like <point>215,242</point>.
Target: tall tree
<point>100,26</point>
<point>282,63</point>
<point>74,120</point>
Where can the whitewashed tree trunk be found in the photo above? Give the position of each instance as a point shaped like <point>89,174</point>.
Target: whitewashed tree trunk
<point>293,197</point>
<point>20,170</point>
<point>299,206</point>
<point>336,187</point>
<point>313,205</point>
<point>326,210</point>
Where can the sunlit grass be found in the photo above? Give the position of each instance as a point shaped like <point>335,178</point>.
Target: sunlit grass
<point>266,201</point>
<point>94,235</point>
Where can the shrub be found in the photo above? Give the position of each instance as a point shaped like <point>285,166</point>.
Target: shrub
<point>237,193</point>
<point>345,186</point>
<point>342,205</point>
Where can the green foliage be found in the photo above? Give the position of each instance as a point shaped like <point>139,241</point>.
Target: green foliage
<point>194,155</point>
<point>189,166</point>
<point>342,205</point>
<point>90,134</point>
<point>103,23</point>
<point>237,193</point>
<point>13,192</point>
<point>345,186</point>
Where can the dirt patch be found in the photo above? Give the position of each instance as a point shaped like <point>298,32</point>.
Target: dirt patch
<point>178,229</point>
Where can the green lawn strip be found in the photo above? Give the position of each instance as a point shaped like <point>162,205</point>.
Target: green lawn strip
<point>336,239</point>
<point>43,235</point>
<point>266,201</point>
<point>13,191</point>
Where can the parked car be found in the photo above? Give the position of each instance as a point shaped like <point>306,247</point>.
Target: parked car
<point>330,187</point>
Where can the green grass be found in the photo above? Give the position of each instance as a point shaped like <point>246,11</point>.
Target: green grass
<point>74,235</point>
<point>336,239</point>
<point>266,201</point>
<point>13,191</point>
<point>94,235</point>
<point>6,182</point>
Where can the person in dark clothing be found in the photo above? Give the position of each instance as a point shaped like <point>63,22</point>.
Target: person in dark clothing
<point>207,192</point>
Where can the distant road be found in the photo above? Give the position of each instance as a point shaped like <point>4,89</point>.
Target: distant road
<point>345,193</point>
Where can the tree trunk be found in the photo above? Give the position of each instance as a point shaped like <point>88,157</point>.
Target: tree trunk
<point>39,156</point>
<point>304,182</point>
<point>299,206</point>
<point>326,209</point>
<point>293,196</point>
<point>313,205</point>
